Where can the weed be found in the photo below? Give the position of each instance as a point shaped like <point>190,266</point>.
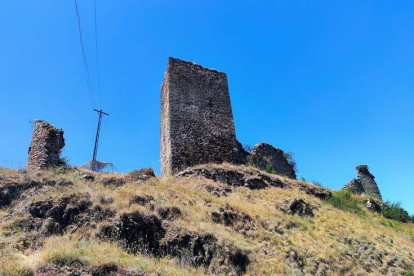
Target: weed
<point>317,183</point>
<point>409,272</point>
<point>10,266</point>
<point>269,169</point>
<point>247,148</point>
<point>345,201</point>
<point>291,161</point>
<point>393,210</point>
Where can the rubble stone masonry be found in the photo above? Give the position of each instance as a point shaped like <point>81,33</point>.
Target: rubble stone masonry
<point>196,118</point>
<point>265,154</point>
<point>365,183</point>
<point>46,145</point>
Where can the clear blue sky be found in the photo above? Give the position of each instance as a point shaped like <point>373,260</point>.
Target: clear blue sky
<point>331,81</point>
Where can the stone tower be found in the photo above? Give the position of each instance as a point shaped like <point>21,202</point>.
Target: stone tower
<point>196,118</point>
<point>365,183</point>
<point>45,147</point>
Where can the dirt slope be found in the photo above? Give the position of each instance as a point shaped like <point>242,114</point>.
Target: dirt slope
<point>221,219</point>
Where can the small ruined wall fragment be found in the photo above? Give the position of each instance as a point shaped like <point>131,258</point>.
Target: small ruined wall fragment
<point>365,183</point>
<point>264,154</point>
<point>45,147</point>
<point>368,182</point>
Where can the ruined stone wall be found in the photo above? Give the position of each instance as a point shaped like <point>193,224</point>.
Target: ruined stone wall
<point>45,147</point>
<point>196,118</point>
<point>365,183</point>
<point>264,154</point>
<point>368,182</point>
<point>355,185</point>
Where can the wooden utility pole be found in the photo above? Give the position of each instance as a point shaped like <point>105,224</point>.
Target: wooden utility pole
<point>95,150</point>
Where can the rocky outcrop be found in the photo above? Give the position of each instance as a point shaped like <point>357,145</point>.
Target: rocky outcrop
<point>373,205</point>
<point>252,179</point>
<point>298,207</point>
<point>142,200</point>
<point>365,183</point>
<point>12,189</point>
<point>169,213</point>
<point>264,155</point>
<point>145,233</point>
<point>140,175</point>
<point>239,221</point>
<point>80,269</point>
<point>218,190</point>
<point>203,249</point>
<point>111,181</point>
<point>135,232</point>
<point>57,215</point>
<point>46,146</point>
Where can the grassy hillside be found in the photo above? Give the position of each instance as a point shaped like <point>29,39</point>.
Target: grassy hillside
<point>66,223</point>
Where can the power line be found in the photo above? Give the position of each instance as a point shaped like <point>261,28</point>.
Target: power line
<point>97,55</point>
<point>85,61</point>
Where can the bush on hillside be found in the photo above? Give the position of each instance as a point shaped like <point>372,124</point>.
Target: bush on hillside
<point>409,272</point>
<point>393,210</point>
<point>291,161</point>
<point>247,148</point>
<point>344,200</point>
<point>269,169</point>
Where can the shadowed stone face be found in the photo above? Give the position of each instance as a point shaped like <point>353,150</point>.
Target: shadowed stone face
<point>368,182</point>
<point>45,147</point>
<point>196,118</point>
<point>264,154</point>
<point>355,185</point>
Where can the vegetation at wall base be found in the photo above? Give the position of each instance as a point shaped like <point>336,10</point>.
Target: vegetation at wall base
<point>345,200</point>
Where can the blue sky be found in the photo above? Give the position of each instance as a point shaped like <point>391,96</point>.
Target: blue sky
<point>330,81</point>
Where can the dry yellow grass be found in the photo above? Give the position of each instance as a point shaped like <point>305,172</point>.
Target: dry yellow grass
<point>321,239</point>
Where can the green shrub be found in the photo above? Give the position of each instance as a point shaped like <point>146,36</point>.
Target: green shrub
<point>269,169</point>
<point>291,161</point>
<point>345,201</point>
<point>409,272</point>
<point>317,183</point>
<point>394,211</point>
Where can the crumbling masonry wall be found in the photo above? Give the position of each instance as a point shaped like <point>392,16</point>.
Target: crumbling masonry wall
<point>196,118</point>
<point>365,183</point>
<point>265,154</point>
<point>45,147</point>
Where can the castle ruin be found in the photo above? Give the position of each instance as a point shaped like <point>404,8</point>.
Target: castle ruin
<point>364,183</point>
<point>45,147</point>
<point>264,155</point>
<point>197,124</point>
<point>196,118</point>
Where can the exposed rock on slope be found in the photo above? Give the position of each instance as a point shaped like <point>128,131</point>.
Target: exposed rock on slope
<point>252,179</point>
<point>215,219</point>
